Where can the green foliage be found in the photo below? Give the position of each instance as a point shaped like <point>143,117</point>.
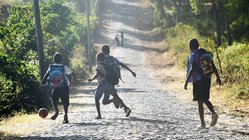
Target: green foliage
<point>235,63</point>
<point>238,13</point>
<point>18,74</point>
<point>79,65</point>
<point>64,31</point>
<point>58,36</point>
<point>18,85</point>
<point>178,37</point>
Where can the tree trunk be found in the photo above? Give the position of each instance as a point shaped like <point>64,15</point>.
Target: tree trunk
<point>217,26</point>
<point>229,37</point>
<point>161,9</point>
<point>218,35</point>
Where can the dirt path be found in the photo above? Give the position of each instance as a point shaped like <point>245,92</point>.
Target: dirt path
<point>156,112</point>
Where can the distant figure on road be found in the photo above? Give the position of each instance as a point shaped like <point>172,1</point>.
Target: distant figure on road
<point>106,51</point>
<point>103,86</point>
<point>118,39</point>
<point>121,38</point>
<point>200,68</point>
<point>56,76</point>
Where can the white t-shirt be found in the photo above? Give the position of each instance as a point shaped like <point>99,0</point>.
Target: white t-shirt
<point>100,68</point>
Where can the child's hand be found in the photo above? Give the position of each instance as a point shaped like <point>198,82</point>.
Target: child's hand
<point>133,73</point>
<point>89,80</point>
<point>218,80</point>
<point>186,86</point>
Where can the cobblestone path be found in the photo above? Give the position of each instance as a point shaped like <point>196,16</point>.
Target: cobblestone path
<point>156,113</point>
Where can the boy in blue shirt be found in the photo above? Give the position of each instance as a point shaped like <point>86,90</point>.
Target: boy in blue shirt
<point>201,84</point>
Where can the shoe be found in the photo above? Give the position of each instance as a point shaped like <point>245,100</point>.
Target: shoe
<point>54,116</point>
<point>128,112</point>
<point>65,119</point>
<point>120,106</point>
<point>98,117</point>
<point>214,119</point>
<point>203,126</point>
<point>116,103</point>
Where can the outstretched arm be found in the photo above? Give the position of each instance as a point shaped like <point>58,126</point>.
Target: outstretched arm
<point>96,75</point>
<point>126,67</point>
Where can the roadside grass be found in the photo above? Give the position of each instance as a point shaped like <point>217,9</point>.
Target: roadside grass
<point>20,125</point>
<point>226,98</point>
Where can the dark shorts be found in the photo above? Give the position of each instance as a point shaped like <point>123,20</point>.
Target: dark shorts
<point>104,88</point>
<point>61,93</point>
<point>201,89</point>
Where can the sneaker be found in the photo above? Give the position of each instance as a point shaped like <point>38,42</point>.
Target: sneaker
<point>54,116</point>
<point>98,117</point>
<point>128,112</point>
<point>214,119</point>
<point>116,103</point>
<point>203,126</point>
<point>65,119</point>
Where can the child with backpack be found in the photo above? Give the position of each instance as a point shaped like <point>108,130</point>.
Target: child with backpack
<point>114,76</point>
<point>57,79</point>
<point>103,86</point>
<point>200,69</point>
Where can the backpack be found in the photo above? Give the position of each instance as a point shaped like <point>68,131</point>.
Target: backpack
<point>204,61</point>
<point>56,78</point>
<point>112,68</point>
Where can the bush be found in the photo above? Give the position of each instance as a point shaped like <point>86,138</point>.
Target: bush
<point>18,85</point>
<point>235,63</point>
<point>78,63</point>
<point>178,38</point>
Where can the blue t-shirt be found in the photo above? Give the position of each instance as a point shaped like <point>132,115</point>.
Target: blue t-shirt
<point>191,60</point>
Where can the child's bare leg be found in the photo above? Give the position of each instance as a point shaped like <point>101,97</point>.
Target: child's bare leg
<point>98,109</point>
<point>201,111</point>
<point>209,105</point>
<point>214,114</point>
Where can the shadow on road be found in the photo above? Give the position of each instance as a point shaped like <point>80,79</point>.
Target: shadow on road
<point>157,121</point>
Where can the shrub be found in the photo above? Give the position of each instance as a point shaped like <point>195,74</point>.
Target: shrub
<point>235,63</point>
<point>178,38</point>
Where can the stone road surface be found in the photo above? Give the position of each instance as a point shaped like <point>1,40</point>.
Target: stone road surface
<point>156,113</point>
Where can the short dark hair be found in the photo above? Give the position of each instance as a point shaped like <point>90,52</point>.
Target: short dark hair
<point>106,49</point>
<point>193,44</point>
<point>57,58</point>
<point>100,57</point>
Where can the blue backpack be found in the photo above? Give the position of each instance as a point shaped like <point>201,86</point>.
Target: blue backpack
<point>204,61</point>
<point>56,78</point>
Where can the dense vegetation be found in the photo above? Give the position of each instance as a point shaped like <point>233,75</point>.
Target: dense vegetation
<point>64,31</point>
<point>221,27</point>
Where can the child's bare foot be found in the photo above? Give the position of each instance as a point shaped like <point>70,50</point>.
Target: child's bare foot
<point>98,117</point>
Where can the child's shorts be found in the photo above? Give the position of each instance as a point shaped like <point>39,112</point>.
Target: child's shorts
<point>104,88</point>
<point>201,89</point>
<point>61,93</point>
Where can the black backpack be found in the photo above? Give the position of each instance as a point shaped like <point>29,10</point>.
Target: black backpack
<point>204,61</point>
<point>112,68</point>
